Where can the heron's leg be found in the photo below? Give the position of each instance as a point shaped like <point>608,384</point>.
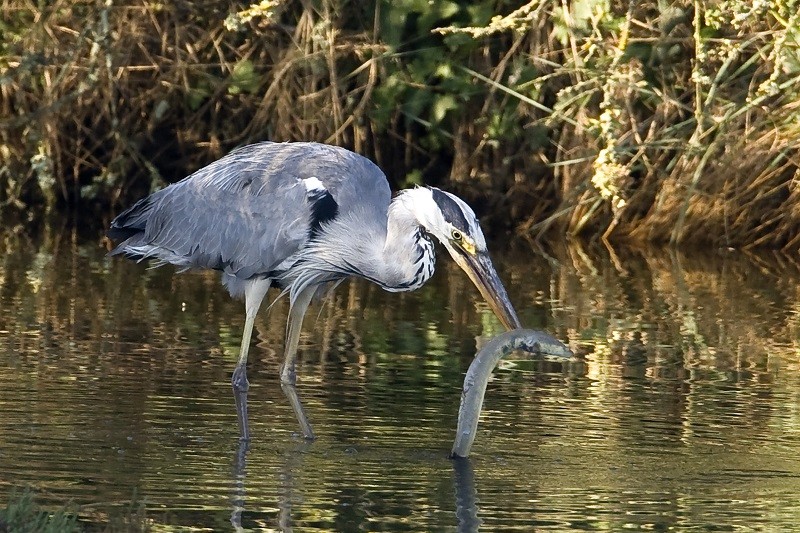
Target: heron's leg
<point>288,373</point>
<point>253,296</point>
<point>239,379</point>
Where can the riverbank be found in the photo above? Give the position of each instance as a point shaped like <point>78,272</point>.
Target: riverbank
<point>639,122</point>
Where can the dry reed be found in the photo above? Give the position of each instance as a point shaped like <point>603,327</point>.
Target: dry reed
<point>617,120</point>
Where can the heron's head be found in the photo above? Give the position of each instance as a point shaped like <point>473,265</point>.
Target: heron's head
<point>454,224</point>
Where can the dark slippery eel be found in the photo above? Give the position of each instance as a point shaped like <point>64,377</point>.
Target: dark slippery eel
<point>480,370</point>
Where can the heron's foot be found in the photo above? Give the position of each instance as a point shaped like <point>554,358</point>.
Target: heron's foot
<point>240,387</point>
<point>241,456</point>
<point>241,415</point>
<point>290,391</point>
<point>239,380</point>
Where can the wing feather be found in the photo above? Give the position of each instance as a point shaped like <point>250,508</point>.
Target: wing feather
<point>249,211</point>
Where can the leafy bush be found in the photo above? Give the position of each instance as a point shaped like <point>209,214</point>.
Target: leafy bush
<point>651,121</point>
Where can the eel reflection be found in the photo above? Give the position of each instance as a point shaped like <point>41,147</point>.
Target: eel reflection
<point>481,369</point>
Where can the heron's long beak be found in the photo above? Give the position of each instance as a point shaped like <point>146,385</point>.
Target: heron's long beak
<point>481,271</point>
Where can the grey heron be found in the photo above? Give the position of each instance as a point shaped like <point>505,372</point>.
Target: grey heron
<point>303,217</point>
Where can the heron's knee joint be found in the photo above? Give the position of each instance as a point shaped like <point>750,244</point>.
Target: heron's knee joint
<point>239,380</point>
<point>288,375</point>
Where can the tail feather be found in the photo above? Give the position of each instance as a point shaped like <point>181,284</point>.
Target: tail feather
<point>132,221</point>
<point>129,225</point>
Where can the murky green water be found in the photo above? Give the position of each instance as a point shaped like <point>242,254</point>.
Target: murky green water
<point>683,414</point>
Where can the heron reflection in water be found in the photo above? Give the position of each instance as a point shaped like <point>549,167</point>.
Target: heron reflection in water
<point>303,217</point>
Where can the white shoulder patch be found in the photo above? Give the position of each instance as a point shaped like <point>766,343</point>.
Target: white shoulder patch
<point>313,184</point>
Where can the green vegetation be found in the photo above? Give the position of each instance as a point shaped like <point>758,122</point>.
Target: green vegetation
<point>23,514</point>
<point>649,121</point>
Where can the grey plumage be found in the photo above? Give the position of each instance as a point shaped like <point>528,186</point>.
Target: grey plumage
<point>249,211</point>
<point>303,217</point>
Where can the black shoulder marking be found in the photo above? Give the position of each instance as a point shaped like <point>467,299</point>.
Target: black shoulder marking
<point>323,209</point>
<point>450,210</point>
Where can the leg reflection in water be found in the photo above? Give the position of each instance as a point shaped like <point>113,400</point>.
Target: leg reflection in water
<point>239,475</point>
<point>466,494</point>
<point>293,463</point>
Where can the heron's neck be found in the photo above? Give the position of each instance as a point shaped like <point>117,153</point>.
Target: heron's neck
<point>407,258</point>
<point>401,259</point>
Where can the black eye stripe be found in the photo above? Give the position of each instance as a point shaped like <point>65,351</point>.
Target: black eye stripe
<point>450,210</point>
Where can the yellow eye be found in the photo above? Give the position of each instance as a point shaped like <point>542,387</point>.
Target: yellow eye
<point>456,235</point>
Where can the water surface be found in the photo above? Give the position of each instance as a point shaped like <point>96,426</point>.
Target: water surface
<point>682,412</point>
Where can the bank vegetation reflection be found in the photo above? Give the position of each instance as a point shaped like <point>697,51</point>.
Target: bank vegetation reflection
<point>702,330</point>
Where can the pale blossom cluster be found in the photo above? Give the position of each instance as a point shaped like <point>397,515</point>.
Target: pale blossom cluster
<point>264,10</point>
